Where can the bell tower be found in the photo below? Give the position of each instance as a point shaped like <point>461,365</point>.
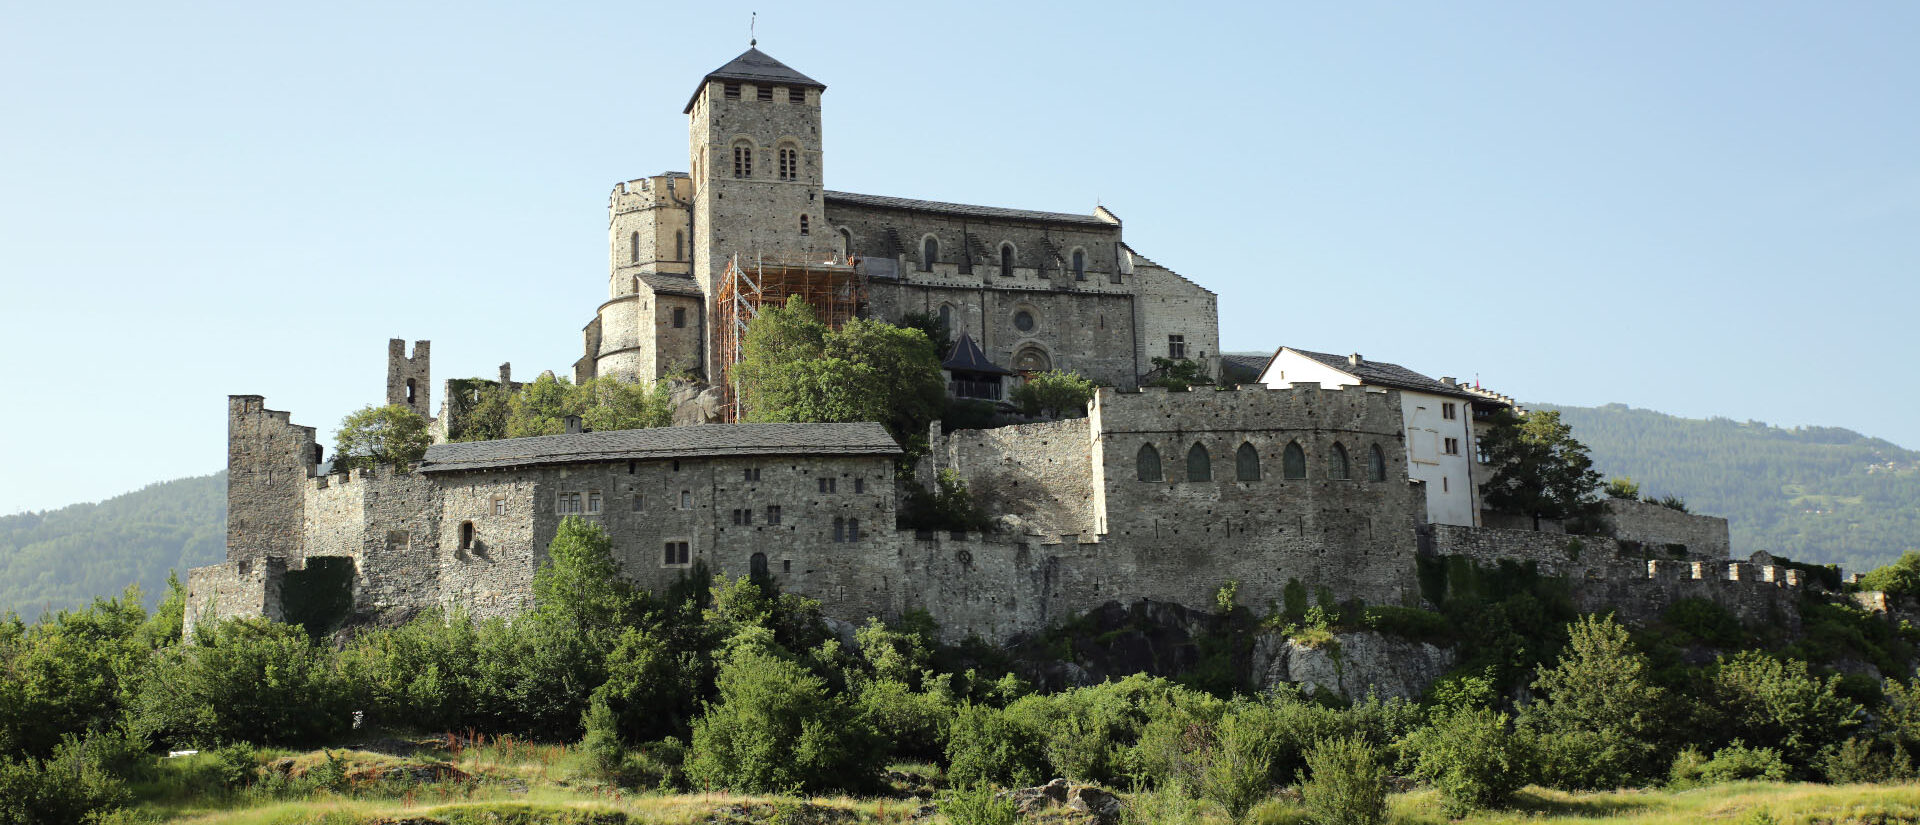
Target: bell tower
<point>755,144</point>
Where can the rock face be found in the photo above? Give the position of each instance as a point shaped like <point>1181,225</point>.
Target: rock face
<point>1085,804</point>
<point>1355,665</point>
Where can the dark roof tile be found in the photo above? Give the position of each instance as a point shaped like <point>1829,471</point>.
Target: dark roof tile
<point>985,212</point>
<point>755,66</point>
<point>1381,373</point>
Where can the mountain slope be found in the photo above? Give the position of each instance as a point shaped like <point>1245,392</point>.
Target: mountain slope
<point>1817,494</point>
<point>63,558</point>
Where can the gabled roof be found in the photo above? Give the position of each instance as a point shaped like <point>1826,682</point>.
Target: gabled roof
<point>1378,373</point>
<point>964,210</point>
<point>755,66</point>
<point>967,357</point>
<point>702,441</point>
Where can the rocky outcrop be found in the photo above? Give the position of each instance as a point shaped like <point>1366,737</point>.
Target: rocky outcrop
<point>1083,804</point>
<point>1354,665</point>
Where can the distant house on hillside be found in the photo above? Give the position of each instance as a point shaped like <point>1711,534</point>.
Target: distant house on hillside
<point>1439,420</point>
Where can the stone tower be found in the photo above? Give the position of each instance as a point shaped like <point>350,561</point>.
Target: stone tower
<point>754,137</point>
<point>409,380</point>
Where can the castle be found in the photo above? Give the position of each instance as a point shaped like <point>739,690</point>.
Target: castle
<point>1152,495</point>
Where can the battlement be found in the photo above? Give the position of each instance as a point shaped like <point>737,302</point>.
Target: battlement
<point>1301,406</point>
<point>383,472</point>
<point>640,194</point>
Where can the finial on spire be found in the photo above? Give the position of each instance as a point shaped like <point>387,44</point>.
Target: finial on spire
<point>753,40</point>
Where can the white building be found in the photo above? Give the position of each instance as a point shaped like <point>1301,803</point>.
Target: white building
<point>1439,421</point>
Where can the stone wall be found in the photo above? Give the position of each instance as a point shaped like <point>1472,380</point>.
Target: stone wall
<point>1085,331</point>
<point>247,587</point>
<point>1705,537</point>
<point>1170,305</point>
<point>269,460</point>
<point>1606,575</point>
<point>1037,473</point>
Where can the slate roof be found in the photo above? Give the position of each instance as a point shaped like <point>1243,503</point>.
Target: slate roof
<point>672,284</point>
<point>755,66</point>
<point>965,210</point>
<point>1256,363</point>
<point>1383,374</point>
<point>709,440</point>
<point>967,357</point>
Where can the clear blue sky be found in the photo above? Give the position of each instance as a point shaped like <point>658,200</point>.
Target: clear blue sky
<point>1702,208</point>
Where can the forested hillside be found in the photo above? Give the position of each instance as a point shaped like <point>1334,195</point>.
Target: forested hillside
<point>63,558</point>
<point>1818,494</point>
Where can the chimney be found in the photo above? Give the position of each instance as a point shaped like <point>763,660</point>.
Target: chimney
<point>573,424</point>
<point>1354,360</point>
<point>1447,380</point>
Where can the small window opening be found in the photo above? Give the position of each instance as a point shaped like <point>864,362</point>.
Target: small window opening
<point>633,248</point>
<point>409,390</point>
<point>763,93</point>
<point>1293,462</point>
<point>803,225</point>
<point>859,485</point>
<point>1147,463</point>
<point>789,163</point>
<point>1337,464</point>
<point>743,161</point>
<point>732,91</point>
<point>839,529</point>
<point>679,245</point>
<point>773,514</point>
<point>1177,347</point>
<point>1376,464</point>
<point>796,95</point>
<point>593,501</point>
<point>853,529</point>
<point>1199,464</point>
<point>466,535</point>
<point>1079,265</point>
<point>679,322</point>
<point>929,252</point>
<point>1006,260</point>
<point>686,499</point>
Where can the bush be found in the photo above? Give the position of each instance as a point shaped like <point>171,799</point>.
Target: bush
<point>1599,712</point>
<point>775,729</point>
<point>1054,394</point>
<point>1779,705</point>
<point>978,805</point>
<point>1901,577</point>
<point>1346,783</point>
<point>1239,766</point>
<point>1732,763</point>
<point>1408,623</point>
<point>989,746</point>
<point>1472,757</point>
<point>606,756</point>
<point>244,680</point>
<point>67,787</point>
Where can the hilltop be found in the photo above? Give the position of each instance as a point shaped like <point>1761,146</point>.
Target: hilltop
<point>58,559</point>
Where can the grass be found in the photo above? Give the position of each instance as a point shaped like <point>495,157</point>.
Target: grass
<point>512,782</point>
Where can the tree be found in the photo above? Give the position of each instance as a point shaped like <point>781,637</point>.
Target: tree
<point>539,408</point>
<point>1055,393</point>
<point>373,436</point>
<point>1622,487</point>
<point>580,584</point>
<point>1599,711</point>
<point>1347,783</point>
<point>794,368</point>
<point>1779,704</point>
<point>776,729</point>
<point>1178,374</point>
<point>1541,471</point>
<point>1472,757</point>
<point>1901,577</point>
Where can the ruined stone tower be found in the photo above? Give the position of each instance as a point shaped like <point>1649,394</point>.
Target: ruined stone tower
<point>409,380</point>
<point>754,137</point>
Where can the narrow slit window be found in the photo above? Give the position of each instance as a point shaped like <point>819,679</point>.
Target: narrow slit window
<point>1006,260</point>
<point>1079,265</point>
<point>803,225</point>
<point>929,252</point>
<point>633,248</point>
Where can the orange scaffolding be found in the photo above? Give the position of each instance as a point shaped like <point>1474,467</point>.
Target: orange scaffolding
<point>833,287</point>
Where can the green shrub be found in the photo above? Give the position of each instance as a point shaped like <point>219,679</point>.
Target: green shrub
<point>1239,765</point>
<point>1705,621</point>
<point>1472,756</point>
<point>1779,705</point>
<point>775,729</point>
<point>1599,710</point>
<point>1407,623</point>
<point>978,805</point>
<point>244,680</point>
<point>1901,577</point>
<point>69,786</point>
<point>1733,763</point>
<point>988,745</point>
<point>606,755</point>
<point>236,765</point>
<point>1346,783</point>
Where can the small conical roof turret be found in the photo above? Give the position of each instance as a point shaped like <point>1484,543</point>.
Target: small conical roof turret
<point>755,66</point>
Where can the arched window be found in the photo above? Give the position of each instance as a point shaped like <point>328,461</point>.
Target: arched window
<point>839,529</point>
<point>1079,265</point>
<point>929,252</point>
<point>633,248</point>
<point>1148,463</point>
<point>1246,463</point>
<point>1199,464</point>
<point>757,567</point>
<point>846,242</point>
<point>679,245</point>
<point>853,529</point>
<point>803,224</point>
<point>466,535</point>
<point>1337,466</point>
<point>789,163</point>
<point>1376,464</point>
<point>946,317</point>
<point>1293,462</point>
<point>1006,260</point>
<point>743,160</point>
